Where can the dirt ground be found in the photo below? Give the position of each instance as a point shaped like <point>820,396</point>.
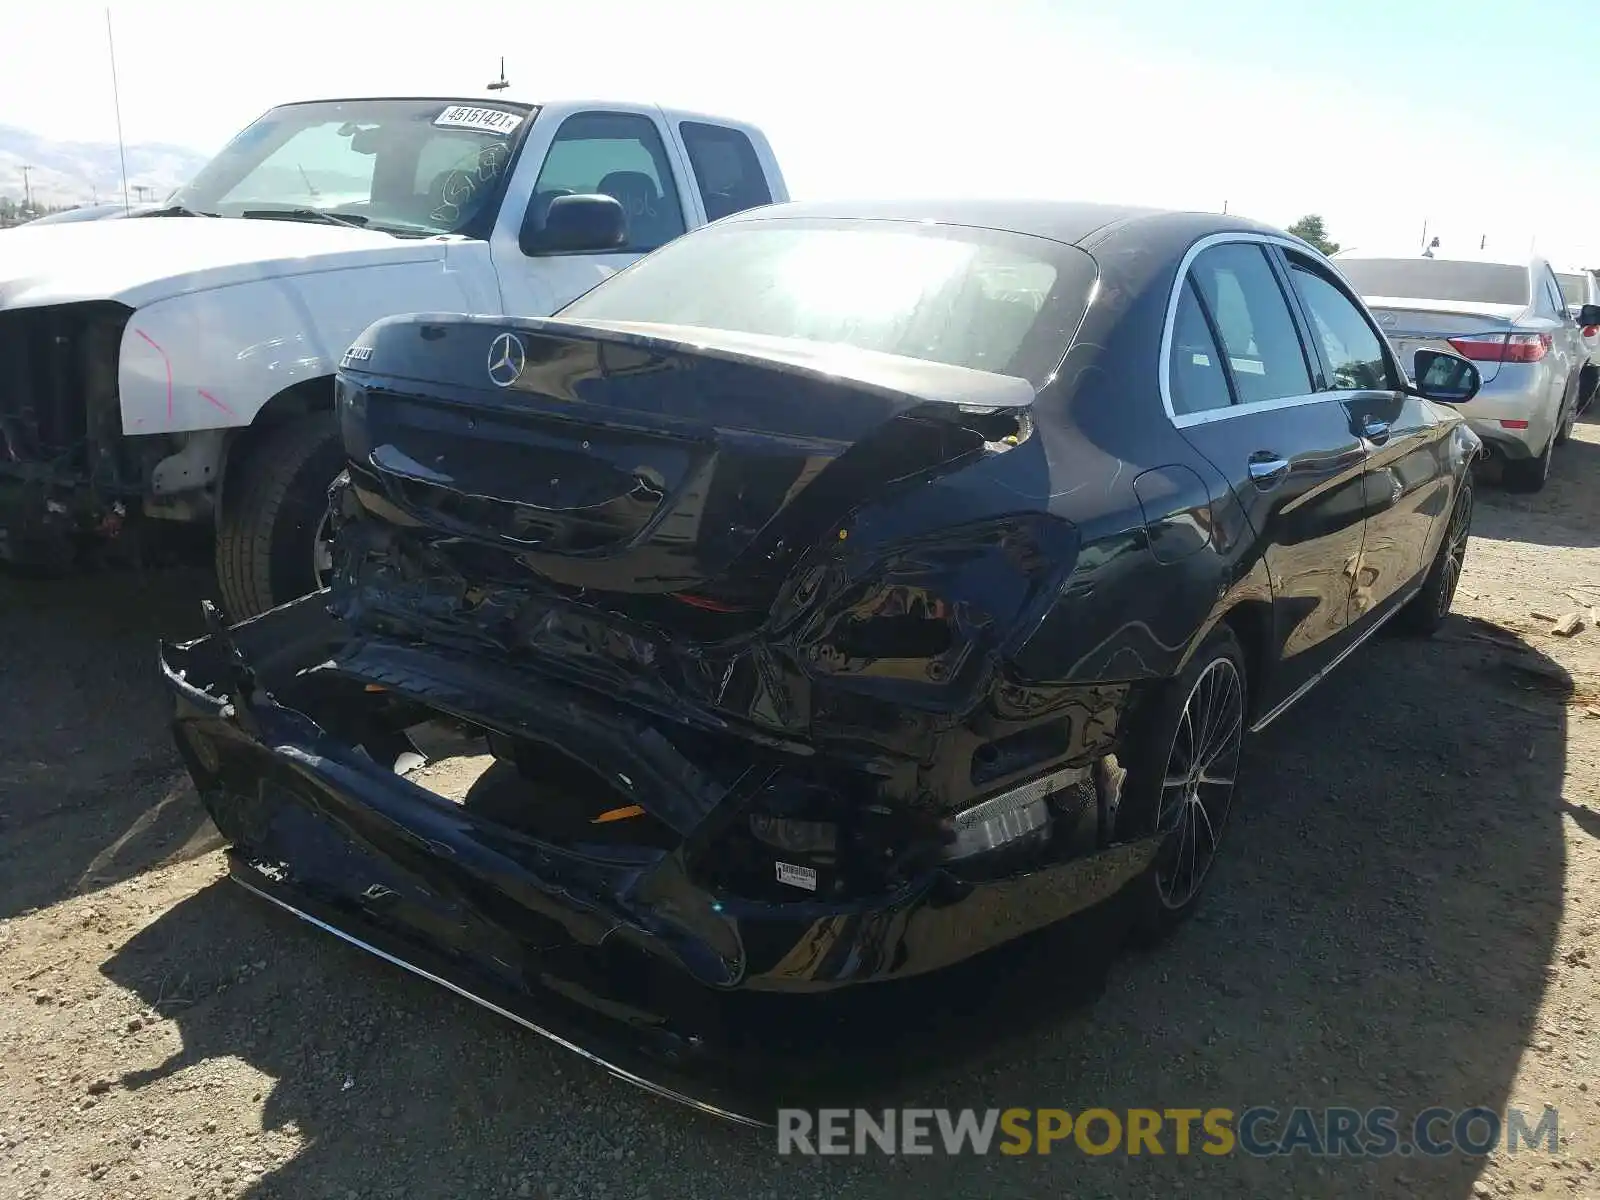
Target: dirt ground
<point>1408,914</point>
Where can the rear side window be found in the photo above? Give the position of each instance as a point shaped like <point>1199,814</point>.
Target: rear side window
<point>1574,289</point>
<point>726,168</point>
<point>1437,279</point>
<point>619,155</point>
<point>1557,306</point>
<point>1252,319</point>
<point>1197,381</point>
<point>1353,350</point>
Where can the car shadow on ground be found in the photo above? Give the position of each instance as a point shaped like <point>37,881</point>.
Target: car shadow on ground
<point>1378,935</point>
<point>1561,514</point>
<point>87,768</point>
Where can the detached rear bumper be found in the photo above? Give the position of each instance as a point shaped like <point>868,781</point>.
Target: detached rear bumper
<point>624,953</point>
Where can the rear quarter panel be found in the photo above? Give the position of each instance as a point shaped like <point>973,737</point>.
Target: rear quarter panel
<point>1165,550</point>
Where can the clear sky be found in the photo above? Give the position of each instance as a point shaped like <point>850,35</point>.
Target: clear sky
<point>1379,114</point>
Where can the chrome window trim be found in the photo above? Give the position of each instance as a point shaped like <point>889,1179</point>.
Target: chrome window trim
<point>1206,416</point>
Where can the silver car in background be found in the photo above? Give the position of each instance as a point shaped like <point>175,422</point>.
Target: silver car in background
<point>1511,319</point>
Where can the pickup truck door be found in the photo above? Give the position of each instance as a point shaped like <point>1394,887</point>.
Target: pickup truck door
<point>622,152</point>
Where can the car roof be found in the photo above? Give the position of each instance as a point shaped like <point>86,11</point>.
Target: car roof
<point>628,102</point>
<point>1076,223</point>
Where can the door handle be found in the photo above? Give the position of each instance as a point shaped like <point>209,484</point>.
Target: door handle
<point>1267,470</point>
<point>1375,429</point>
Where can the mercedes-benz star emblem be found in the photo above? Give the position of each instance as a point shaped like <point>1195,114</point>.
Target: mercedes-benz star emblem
<point>507,357</point>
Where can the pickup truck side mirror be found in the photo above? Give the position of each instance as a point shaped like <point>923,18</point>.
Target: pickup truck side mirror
<point>575,225</point>
<point>1588,315</point>
<point>1447,378</point>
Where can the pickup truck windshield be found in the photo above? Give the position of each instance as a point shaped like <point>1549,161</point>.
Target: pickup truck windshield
<point>984,299</point>
<point>410,167</point>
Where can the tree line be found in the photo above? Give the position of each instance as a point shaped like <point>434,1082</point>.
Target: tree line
<point>14,212</point>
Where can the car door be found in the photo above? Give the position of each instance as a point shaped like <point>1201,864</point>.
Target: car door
<point>620,154</point>
<point>1567,349</point>
<point>1590,334</point>
<point>1407,482</point>
<point>1247,395</point>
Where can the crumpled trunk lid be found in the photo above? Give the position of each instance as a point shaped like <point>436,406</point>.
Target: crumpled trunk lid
<point>644,461</point>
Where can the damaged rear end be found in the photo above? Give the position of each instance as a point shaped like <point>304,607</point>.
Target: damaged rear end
<point>721,628</point>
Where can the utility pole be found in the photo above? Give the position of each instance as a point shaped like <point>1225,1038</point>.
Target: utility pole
<point>116,100</point>
<point>27,190</point>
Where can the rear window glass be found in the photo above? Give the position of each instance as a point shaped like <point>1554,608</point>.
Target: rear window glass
<point>1437,279</point>
<point>726,168</point>
<point>1574,290</point>
<point>1001,302</point>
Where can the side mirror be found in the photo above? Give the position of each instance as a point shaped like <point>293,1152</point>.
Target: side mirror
<point>1447,378</point>
<point>1589,314</point>
<point>575,225</point>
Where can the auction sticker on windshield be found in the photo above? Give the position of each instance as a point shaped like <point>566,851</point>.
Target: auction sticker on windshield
<point>490,120</point>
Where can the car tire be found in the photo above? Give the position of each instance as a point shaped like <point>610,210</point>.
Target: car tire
<point>1529,474</point>
<point>1588,383</point>
<point>274,511</point>
<point>1564,427</point>
<point>1173,790</point>
<point>1425,612</point>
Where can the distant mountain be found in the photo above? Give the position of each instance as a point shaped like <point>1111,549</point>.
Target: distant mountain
<point>78,172</point>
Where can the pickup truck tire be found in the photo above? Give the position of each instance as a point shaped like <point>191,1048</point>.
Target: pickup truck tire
<point>274,505</point>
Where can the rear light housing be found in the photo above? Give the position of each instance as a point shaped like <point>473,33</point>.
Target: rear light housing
<point>1502,347</point>
<point>1590,330</point>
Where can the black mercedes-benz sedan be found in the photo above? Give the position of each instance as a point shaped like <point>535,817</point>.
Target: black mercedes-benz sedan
<point>834,595</point>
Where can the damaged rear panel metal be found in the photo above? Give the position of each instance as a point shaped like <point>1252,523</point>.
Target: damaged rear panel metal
<point>777,650</point>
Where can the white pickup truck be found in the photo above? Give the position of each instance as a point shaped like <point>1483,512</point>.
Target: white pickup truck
<point>180,364</point>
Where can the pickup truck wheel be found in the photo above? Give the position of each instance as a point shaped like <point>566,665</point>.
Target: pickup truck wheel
<point>272,532</point>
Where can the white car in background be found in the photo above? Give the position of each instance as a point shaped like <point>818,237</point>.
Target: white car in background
<point>1579,288</point>
<point>1510,318</point>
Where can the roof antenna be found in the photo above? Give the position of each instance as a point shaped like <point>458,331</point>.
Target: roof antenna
<point>116,100</point>
<point>501,84</point>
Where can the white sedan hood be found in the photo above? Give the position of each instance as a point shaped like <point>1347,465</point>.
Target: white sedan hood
<point>146,259</point>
